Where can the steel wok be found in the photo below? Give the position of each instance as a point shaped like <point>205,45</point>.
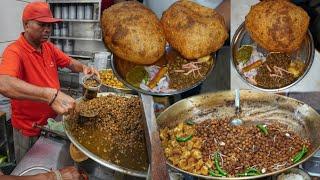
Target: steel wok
<point>96,158</point>
<point>255,106</point>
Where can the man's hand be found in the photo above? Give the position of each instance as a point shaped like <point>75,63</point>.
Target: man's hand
<point>77,66</point>
<point>63,104</point>
<point>69,173</point>
<point>90,71</point>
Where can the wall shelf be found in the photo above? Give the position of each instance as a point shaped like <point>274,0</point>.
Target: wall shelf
<point>75,38</point>
<point>78,29</point>
<point>81,54</point>
<point>82,20</point>
<point>73,1</point>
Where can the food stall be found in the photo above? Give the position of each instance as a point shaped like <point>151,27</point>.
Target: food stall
<point>240,126</point>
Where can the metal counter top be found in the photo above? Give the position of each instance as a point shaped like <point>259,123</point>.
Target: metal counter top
<point>46,152</point>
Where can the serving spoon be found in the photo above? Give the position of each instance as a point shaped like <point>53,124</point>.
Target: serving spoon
<point>89,93</point>
<point>237,121</point>
<point>84,115</point>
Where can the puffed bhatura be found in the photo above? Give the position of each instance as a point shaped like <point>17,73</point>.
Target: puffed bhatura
<point>277,26</point>
<point>193,30</point>
<point>133,32</point>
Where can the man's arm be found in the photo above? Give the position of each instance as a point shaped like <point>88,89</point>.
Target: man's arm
<point>76,66</point>
<point>13,87</point>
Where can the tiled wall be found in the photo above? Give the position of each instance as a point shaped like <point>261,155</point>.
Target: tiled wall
<point>10,20</point>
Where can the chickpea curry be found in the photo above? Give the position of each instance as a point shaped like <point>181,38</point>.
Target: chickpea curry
<point>171,73</point>
<point>217,148</point>
<point>116,134</point>
<point>271,71</point>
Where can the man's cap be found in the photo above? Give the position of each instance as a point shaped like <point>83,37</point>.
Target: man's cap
<point>39,11</point>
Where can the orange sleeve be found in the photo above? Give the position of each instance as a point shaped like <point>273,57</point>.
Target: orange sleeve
<point>62,59</point>
<point>10,63</point>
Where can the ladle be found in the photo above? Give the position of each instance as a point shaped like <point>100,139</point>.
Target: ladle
<point>84,115</point>
<point>237,121</point>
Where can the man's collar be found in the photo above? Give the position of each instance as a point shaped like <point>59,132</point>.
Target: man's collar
<point>24,42</point>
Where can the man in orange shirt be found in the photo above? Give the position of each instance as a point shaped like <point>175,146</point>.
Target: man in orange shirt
<point>29,76</point>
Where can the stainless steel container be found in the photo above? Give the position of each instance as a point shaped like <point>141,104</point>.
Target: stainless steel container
<point>312,166</point>
<point>72,11</point>
<point>88,11</point>
<point>80,11</point>
<point>56,29</point>
<point>64,29</point>
<point>68,46</point>
<point>57,11</point>
<point>65,12</point>
<point>102,60</point>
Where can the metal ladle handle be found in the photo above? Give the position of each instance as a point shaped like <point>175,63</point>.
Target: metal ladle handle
<point>237,101</point>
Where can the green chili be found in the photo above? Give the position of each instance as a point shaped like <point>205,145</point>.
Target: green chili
<point>189,122</point>
<point>183,139</point>
<point>263,128</point>
<point>216,162</point>
<point>215,174</point>
<point>299,155</point>
<point>252,170</point>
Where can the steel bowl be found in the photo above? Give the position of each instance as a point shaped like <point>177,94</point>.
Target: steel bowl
<point>107,88</point>
<point>312,165</point>
<point>294,171</point>
<point>255,106</point>
<point>94,157</point>
<point>306,53</point>
<point>121,67</point>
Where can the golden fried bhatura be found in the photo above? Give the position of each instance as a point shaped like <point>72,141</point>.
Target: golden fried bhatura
<point>193,30</point>
<point>277,26</point>
<point>133,32</point>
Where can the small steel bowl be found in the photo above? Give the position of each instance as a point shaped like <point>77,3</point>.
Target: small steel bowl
<point>121,67</point>
<point>90,92</point>
<point>306,53</point>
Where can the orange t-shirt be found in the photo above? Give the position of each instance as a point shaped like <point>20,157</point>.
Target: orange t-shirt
<point>22,61</point>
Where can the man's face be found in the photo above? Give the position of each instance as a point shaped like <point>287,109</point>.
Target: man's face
<point>38,31</point>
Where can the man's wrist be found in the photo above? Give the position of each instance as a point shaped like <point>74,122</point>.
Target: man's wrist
<point>48,94</point>
<point>84,67</point>
<point>54,97</point>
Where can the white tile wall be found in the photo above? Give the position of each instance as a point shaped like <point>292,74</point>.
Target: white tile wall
<point>10,20</point>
